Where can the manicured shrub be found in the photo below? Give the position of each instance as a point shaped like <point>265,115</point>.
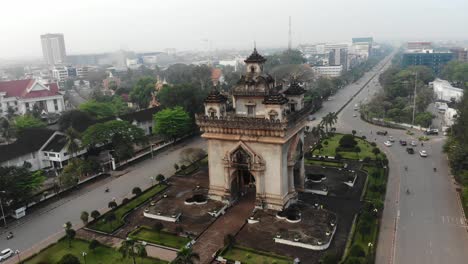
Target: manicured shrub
<point>69,259</point>
<point>136,191</point>
<point>357,251</point>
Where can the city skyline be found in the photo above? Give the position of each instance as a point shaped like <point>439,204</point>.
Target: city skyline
<point>150,26</point>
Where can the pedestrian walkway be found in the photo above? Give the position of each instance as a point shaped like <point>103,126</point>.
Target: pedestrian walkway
<point>230,223</point>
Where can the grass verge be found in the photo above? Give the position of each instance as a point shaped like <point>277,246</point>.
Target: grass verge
<point>108,227</point>
<point>324,163</point>
<point>251,256</point>
<point>101,254</point>
<point>161,238</point>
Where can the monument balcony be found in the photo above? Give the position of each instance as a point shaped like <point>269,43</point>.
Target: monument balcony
<point>232,123</point>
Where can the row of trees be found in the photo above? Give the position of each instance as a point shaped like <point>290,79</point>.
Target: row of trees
<point>456,148</point>
<point>395,103</point>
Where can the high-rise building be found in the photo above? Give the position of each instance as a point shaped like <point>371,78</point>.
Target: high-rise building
<point>461,54</point>
<point>338,57</point>
<point>429,58</point>
<point>53,48</point>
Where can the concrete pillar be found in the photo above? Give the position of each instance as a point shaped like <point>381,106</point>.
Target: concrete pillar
<point>290,178</point>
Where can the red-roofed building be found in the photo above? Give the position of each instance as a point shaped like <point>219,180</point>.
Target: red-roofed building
<point>23,95</point>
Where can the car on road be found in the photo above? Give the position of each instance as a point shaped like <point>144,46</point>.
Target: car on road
<point>414,143</point>
<point>354,115</point>
<point>391,139</point>
<point>431,132</point>
<point>311,118</point>
<point>382,133</point>
<point>423,153</point>
<point>388,143</point>
<point>410,150</point>
<point>6,253</point>
<point>403,142</point>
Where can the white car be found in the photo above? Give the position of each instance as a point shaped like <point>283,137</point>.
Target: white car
<point>391,139</point>
<point>414,143</point>
<point>388,143</point>
<point>354,115</point>
<point>6,253</point>
<point>423,153</point>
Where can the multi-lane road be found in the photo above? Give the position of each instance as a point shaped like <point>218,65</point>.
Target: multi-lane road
<point>427,225</point>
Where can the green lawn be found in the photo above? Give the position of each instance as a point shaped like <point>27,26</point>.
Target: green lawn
<point>250,256</point>
<point>374,183</point>
<point>101,254</point>
<point>333,142</point>
<point>121,211</point>
<point>324,163</point>
<point>161,238</point>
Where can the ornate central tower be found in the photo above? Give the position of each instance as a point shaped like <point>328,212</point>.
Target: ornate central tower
<point>258,145</point>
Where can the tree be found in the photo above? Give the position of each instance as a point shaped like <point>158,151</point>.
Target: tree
<point>319,147</point>
<point>69,233</point>
<point>136,191</point>
<point>71,173</point>
<point>190,155</point>
<point>347,141</point>
<point>97,109</point>
<point>19,184</point>
<point>84,217</point>
<point>186,256</point>
<point>75,119</point>
<point>376,152</point>
<point>357,149</point>
<point>329,120</point>
<point>160,178</point>
<point>357,251</point>
<point>7,129</point>
<point>69,259</point>
<point>353,132</point>
<point>172,123</point>
<point>95,214</point>
<point>424,119</point>
<point>27,121</point>
<point>125,200</point>
<point>93,244</point>
<point>112,205</point>
<point>73,143</point>
<point>132,249</point>
<point>187,96</point>
<point>142,91</point>
<point>120,134</point>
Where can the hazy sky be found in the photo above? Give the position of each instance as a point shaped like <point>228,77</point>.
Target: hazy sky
<point>153,25</point>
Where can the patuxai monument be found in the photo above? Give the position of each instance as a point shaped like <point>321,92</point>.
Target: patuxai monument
<point>255,138</point>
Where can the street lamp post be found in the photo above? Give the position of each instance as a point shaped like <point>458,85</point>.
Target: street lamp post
<point>1,207</point>
<point>17,252</point>
<point>414,96</point>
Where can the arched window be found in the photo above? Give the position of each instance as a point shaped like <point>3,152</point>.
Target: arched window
<point>252,69</point>
<point>292,106</point>
<point>211,112</point>
<point>273,115</point>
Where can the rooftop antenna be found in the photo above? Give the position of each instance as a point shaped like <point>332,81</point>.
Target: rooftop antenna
<point>289,40</point>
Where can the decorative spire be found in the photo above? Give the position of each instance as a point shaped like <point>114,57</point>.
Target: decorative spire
<point>255,57</point>
<point>215,97</point>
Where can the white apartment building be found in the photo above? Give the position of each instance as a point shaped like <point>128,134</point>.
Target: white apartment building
<point>53,48</point>
<point>444,91</point>
<point>328,71</point>
<point>60,73</point>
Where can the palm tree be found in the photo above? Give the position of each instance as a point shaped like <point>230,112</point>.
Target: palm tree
<point>7,129</point>
<point>73,138</point>
<point>130,248</point>
<point>186,256</point>
<point>329,120</point>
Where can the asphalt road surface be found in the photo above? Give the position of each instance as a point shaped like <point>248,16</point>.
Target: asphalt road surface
<point>48,221</point>
<point>427,225</point>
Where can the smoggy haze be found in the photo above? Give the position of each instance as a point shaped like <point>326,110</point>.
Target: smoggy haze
<point>150,25</point>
